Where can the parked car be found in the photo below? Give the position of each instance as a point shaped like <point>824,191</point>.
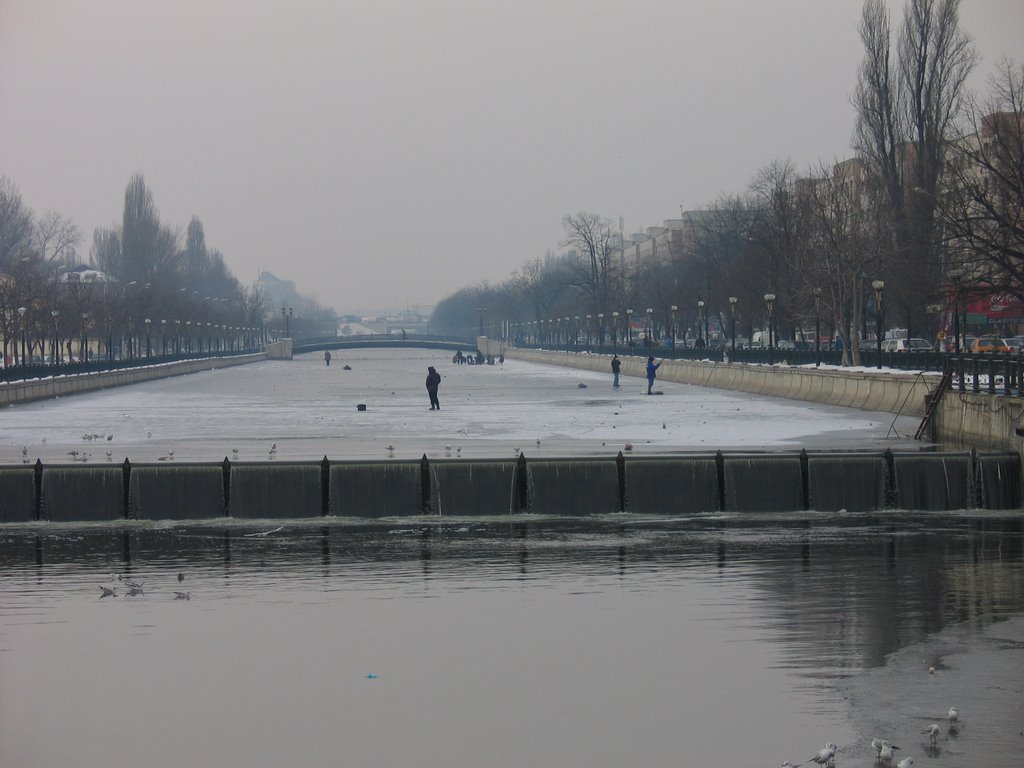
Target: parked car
<point>906,345</point>
<point>989,344</point>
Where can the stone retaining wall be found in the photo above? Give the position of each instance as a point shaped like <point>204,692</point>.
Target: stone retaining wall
<point>890,391</point>
<point>73,384</point>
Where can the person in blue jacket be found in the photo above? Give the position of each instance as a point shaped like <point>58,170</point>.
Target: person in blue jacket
<point>652,367</point>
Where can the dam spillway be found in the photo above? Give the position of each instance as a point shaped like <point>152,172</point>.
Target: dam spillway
<point>699,483</point>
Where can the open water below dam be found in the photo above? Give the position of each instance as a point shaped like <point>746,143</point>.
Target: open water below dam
<point>732,640</point>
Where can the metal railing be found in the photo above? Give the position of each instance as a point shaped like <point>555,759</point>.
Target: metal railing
<point>21,372</point>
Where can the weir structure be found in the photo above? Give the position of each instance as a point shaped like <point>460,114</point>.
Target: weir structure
<point>825,481</point>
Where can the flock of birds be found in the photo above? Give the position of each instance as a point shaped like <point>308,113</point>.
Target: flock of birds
<point>885,753</point>
<point>136,588</point>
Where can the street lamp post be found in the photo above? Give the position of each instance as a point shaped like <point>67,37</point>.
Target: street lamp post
<point>188,337</point>
<point>701,333</point>
<point>732,311</point>
<point>817,327</point>
<point>629,327</point>
<point>480,311</point>
<point>590,328</point>
<point>149,345</point>
<point>615,328</point>
<point>24,347</point>
<point>55,313</point>
<point>673,309</point>
<point>769,301</point>
<point>600,330</point>
<point>878,285</point>
<point>954,276</point>
<point>163,338</point>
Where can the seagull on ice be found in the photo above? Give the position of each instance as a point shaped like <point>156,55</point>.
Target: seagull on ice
<point>906,762</point>
<point>885,754</point>
<point>107,592</point>
<point>826,756</point>
<point>954,717</point>
<point>933,732</point>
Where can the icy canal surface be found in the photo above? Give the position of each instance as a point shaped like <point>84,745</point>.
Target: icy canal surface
<point>302,409</point>
<point>712,641</point>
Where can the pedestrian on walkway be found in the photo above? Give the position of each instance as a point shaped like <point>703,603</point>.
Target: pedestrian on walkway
<point>433,382</point>
<point>651,373</point>
<point>616,367</point>
<point>327,357</point>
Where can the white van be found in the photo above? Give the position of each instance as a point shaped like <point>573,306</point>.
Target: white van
<point>759,340</point>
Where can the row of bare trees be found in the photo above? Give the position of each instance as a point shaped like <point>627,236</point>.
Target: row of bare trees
<point>152,285</point>
<point>935,190</point>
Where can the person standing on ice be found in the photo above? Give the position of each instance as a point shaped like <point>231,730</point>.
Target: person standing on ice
<point>652,367</point>
<point>616,367</point>
<point>433,382</point>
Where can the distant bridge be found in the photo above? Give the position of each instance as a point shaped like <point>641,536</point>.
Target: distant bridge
<point>385,341</point>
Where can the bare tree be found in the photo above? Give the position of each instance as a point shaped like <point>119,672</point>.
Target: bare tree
<point>15,225</point>
<point>905,111</point>
<point>983,203</point>
<point>596,269</point>
<point>149,250</point>
<point>56,239</point>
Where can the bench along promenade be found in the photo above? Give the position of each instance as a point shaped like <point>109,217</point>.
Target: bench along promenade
<point>977,473</point>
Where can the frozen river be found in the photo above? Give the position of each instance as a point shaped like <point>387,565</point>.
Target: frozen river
<point>308,410</point>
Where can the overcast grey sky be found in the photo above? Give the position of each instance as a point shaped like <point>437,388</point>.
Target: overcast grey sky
<point>382,153</point>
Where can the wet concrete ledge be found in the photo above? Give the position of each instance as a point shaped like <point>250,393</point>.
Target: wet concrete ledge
<point>892,392</point>
<point>61,386</point>
<point>873,481</point>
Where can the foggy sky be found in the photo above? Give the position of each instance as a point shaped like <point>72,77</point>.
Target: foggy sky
<point>383,153</point>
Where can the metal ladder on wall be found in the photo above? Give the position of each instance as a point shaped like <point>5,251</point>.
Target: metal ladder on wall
<point>933,401</point>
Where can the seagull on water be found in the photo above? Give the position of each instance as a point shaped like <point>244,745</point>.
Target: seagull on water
<point>933,732</point>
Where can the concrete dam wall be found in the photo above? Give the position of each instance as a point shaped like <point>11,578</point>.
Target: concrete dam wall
<point>650,485</point>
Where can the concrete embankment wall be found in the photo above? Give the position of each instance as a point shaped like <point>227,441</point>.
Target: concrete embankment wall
<point>651,485</point>
<point>977,419</point>
<point>891,391</point>
<point>61,386</point>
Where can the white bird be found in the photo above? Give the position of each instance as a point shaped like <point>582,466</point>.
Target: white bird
<point>135,591</point>
<point>107,592</point>
<point>906,762</point>
<point>954,717</point>
<point>885,754</point>
<point>933,732</point>
<point>826,756</point>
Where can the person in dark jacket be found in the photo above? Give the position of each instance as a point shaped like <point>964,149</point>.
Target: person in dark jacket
<point>651,368</point>
<point>616,367</point>
<point>433,382</point>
